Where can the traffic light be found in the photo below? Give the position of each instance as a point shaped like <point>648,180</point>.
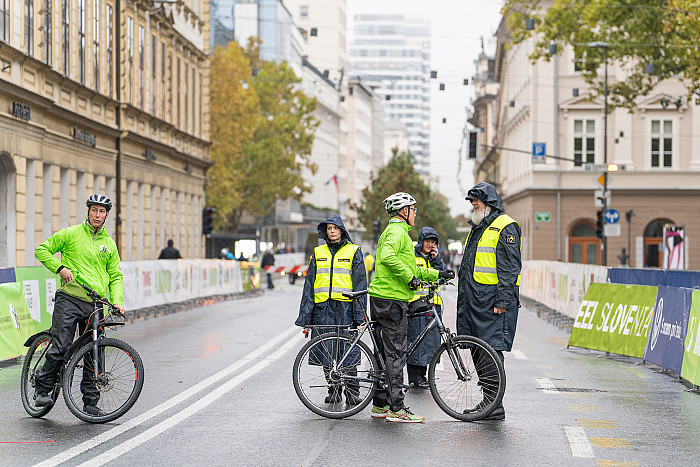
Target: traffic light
<point>599,224</point>
<point>473,144</point>
<point>377,226</point>
<point>208,220</point>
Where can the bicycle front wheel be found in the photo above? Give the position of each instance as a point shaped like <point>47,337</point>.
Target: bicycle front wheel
<point>467,378</point>
<point>328,388</point>
<point>33,362</point>
<point>112,389</point>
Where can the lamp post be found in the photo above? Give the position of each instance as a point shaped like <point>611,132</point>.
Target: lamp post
<point>604,240</point>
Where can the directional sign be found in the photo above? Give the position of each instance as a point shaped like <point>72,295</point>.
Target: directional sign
<point>538,152</point>
<point>611,216</point>
<point>598,198</point>
<point>543,216</point>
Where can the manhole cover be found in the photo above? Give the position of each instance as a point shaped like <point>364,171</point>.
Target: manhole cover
<point>572,389</point>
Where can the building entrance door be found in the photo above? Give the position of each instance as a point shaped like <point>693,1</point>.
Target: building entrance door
<point>653,243</point>
<point>584,245</point>
<point>8,228</point>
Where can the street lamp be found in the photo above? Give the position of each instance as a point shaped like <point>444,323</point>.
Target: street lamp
<point>604,240</point>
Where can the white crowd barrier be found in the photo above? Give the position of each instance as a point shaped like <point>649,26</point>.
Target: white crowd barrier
<point>559,286</point>
<point>157,282</point>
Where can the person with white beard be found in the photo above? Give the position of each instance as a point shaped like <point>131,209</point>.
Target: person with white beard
<point>488,295</point>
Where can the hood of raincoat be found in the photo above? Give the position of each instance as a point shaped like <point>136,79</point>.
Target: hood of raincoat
<point>335,220</point>
<point>487,194</point>
<point>425,232</point>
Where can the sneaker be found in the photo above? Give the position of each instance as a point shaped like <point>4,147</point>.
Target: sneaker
<point>333,397</point>
<point>43,400</point>
<point>403,416</point>
<point>379,412</point>
<point>93,410</point>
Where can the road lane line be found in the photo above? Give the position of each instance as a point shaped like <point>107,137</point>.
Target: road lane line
<point>547,385</point>
<point>202,403</point>
<point>595,423</point>
<point>517,353</point>
<point>144,417</point>
<point>610,442</point>
<point>582,408</point>
<point>578,441</point>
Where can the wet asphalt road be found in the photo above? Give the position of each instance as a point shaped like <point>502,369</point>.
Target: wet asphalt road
<point>217,392</point>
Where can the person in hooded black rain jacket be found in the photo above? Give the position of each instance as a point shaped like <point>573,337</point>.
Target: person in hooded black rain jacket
<point>322,302</point>
<point>427,255</point>
<point>489,276</point>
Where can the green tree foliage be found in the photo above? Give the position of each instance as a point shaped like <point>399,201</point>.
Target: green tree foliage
<point>399,175</point>
<point>664,33</point>
<point>262,134</point>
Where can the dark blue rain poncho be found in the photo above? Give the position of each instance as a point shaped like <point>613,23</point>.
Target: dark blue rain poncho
<point>424,352</point>
<point>475,302</point>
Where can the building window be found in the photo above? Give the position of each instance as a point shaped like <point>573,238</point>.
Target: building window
<point>584,142</point>
<point>653,243</point>
<point>661,143</point>
<point>304,11</point>
<point>154,56</point>
<point>96,42</point>
<point>130,56</point>
<point>584,245</point>
<point>177,92</point>
<point>194,95</point>
<point>142,102</point>
<point>48,31</point>
<point>187,115</point>
<point>65,36</point>
<point>81,41</point>
<point>201,91</point>
<point>170,88</point>
<point>29,27</point>
<point>580,62</point>
<point>110,49</point>
<point>5,20</point>
<point>162,80</point>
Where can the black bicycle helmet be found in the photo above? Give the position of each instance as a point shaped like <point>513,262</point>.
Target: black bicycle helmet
<point>100,200</point>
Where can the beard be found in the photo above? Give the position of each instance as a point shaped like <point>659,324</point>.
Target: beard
<point>478,216</point>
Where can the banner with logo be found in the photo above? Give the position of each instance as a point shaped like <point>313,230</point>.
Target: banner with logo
<point>668,328</point>
<point>691,350</point>
<point>16,324</point>
<point>614,318</point>
<point>39,287</point>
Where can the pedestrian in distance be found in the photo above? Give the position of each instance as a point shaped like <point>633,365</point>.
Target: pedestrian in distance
<point>488,294</point>
<point>226,254</point>
<point>268,259</point>
<point>89,256</point>
<point>396,278</point>
<point>169,252</point>
<point>427,256</point>
<point>336,266</point>
<point>369,266</point>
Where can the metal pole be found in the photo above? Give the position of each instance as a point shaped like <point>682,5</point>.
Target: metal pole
<point>556,151</point>
<point>117,18</point>
<point>604,239</point>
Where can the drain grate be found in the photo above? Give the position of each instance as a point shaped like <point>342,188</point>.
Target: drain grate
<point>573,389</point>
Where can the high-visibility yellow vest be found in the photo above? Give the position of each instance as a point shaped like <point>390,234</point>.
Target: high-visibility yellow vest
<point>421,292</point>
<point>333,273</point>
<point>485,271</point>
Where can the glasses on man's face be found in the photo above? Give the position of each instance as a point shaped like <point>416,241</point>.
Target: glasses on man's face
<point>415,211</point>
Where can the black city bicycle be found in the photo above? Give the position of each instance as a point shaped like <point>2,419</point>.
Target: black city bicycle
<point>467,378</point>
<point>94,361</point>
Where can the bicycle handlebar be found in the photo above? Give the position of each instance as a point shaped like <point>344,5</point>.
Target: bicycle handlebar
<point>99,298</point>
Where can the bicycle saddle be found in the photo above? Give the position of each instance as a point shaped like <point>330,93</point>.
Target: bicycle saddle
<point>354,295</point>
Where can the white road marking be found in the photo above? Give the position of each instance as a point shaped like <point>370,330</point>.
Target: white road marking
<point>168,423</point>
<point>578,441</point>
<point>519,354</point>
<point>144,417</point>
<point>547,386</point>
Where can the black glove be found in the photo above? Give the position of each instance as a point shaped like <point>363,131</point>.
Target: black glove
<point>446,274</point>
<point>414,284</point>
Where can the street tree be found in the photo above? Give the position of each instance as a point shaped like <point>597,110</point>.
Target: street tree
<point>653,40</point>
<point>399,175</point>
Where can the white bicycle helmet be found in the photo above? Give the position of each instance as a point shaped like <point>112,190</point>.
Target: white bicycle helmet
<point>397,201</point>
<point>100,200</point>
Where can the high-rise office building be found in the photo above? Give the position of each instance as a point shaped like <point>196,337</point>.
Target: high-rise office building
<point>391,53</point>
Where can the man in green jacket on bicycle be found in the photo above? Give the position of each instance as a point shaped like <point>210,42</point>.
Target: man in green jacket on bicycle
<point>88,256</point>
<point>396,278</point>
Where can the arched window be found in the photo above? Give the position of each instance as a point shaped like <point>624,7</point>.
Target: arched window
<point>7,210</point>
<point>653,240</point>
<point>584,245</point>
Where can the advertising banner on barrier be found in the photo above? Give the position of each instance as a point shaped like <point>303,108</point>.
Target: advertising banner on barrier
<point>39,287</point>
<point>691,351</point>
<point>668,327</point>
<point>16,324</point>
<point>614,318</point>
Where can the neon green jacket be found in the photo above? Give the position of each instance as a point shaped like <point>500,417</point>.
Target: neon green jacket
<point>395,264</point>
<point>91,256</point>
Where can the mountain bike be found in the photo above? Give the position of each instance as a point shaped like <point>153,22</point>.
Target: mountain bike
<point>466,377</point>
<point>93,361</point>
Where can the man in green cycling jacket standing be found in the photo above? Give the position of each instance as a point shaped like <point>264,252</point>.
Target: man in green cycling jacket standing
<point>396,278</point>
<point>88,256</point>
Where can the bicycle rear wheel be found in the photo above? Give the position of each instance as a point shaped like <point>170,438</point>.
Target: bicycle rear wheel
<point>113,388</point>
<point>33,362</point>
<point>467,378</point>
<point>330,390</point>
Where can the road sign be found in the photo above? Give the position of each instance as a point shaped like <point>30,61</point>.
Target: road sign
<point>598,196</point>
<point>611,216</point>
<point>543,216</point>
<point>538,152</point>
<point>611,230</point>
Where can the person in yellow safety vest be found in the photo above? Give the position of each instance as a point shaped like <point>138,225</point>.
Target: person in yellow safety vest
<point>369,266</point>
<point>488,294</point>
<point>336,266</point>
<point>427,256</point>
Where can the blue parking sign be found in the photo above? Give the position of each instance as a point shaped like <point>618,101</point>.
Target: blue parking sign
<point>539,151</point>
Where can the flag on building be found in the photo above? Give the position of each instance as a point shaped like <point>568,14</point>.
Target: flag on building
<point>333,179</point>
